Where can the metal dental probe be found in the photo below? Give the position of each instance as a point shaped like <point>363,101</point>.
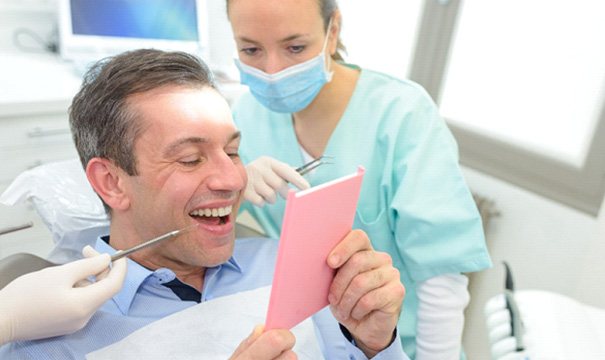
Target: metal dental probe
<point>121,253</point>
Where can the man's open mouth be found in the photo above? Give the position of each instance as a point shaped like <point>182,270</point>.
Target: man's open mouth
<point>212,216</point>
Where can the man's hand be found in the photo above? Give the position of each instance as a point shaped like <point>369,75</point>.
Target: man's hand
<point>366,294</point>
<point>273,344</point>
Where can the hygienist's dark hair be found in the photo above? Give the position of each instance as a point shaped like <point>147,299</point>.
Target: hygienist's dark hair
<point>327,9</point>
<point>102,123</point>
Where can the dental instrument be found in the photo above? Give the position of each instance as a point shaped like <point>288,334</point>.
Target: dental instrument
<point>16,228</point>
<point>511,305</point>
<point>311,165</point>
<point>121,253</point>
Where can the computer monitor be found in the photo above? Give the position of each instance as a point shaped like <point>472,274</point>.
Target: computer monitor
<point>92,29</point>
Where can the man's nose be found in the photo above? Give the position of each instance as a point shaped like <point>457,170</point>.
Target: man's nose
<point>227,175</point>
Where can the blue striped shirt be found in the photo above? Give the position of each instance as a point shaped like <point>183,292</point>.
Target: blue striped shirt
<point>144,298</point>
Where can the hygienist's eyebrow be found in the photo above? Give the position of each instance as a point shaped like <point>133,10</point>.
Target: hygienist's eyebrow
<point>245,39</point>
<point>294,37</point>
<point>289,38</point>
<point>173,148</point>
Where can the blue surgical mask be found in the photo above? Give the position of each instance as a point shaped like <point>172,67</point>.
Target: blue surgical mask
<point>291,89</point>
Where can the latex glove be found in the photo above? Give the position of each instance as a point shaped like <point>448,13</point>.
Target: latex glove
<point>267,177</point>
<point>498,322</point>
<point>52,301</point>
<point>506,349</point>
<point>272,344</point>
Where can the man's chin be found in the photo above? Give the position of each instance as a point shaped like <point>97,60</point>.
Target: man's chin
<point>216,262</point>
<point>218,256</point>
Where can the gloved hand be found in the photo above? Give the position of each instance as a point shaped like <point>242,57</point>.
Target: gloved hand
<point>58,300</point>
<point>504,345</point>
<point>267,177</point>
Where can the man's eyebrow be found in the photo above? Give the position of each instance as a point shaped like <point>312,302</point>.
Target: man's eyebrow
<point>174,147</point>
<point>235,136</point>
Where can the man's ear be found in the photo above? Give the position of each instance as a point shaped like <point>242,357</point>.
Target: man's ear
<point>108,181</point>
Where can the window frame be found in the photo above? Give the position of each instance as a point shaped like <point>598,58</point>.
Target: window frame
<point>582,188</point>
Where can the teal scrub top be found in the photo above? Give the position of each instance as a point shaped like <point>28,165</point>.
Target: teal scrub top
<point>414,202</point>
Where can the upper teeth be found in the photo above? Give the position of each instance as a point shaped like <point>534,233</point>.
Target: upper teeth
<point>222,211</point>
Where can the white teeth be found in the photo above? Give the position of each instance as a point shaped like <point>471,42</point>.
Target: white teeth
<point>223,211</point>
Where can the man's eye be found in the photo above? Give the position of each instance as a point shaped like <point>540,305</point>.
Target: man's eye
<point>190,162</point>
<point>233,154</point>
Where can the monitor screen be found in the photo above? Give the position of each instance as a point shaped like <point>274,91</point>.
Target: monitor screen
<point>93,29</point>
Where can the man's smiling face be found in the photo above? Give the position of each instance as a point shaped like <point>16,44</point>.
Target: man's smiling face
<point>189,172</point>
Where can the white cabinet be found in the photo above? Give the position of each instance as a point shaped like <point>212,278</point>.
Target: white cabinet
<point>26,142</point>
<point>35,93</point>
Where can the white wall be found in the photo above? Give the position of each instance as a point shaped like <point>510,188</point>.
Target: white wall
<point>35,15</point>
<point>221,43</point>
<point>549,246</point>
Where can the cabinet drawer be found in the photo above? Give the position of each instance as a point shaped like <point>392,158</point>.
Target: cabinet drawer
<point>16,160</point>
<point>47,129</point>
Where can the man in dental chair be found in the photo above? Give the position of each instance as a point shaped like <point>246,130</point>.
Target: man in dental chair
<point>161,150</point>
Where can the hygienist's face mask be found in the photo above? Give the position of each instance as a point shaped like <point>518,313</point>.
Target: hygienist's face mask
<point>291,89</point>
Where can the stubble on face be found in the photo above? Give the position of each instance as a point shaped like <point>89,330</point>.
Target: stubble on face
<point>169,188</point>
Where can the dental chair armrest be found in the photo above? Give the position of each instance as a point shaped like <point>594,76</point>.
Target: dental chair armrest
<point>13,266</point>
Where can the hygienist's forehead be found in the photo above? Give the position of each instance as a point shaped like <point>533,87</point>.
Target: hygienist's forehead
<point>263,20</point>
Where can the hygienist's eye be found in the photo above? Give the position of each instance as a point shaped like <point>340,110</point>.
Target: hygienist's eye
<point>250,51</point>
<point>296,49</point>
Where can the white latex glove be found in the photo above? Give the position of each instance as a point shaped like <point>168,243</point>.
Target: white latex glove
<point>267,177</point>
<point>58,300</point>
<point>503,345</point>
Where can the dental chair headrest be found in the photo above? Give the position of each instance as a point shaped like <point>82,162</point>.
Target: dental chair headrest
<point>62,196</point>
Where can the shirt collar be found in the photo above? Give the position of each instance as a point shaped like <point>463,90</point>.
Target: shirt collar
<point>233,264</point>
<point>137,274</point>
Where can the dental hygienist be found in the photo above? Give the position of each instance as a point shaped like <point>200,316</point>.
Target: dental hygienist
<point>304,102</point>
<point>58,300</point>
